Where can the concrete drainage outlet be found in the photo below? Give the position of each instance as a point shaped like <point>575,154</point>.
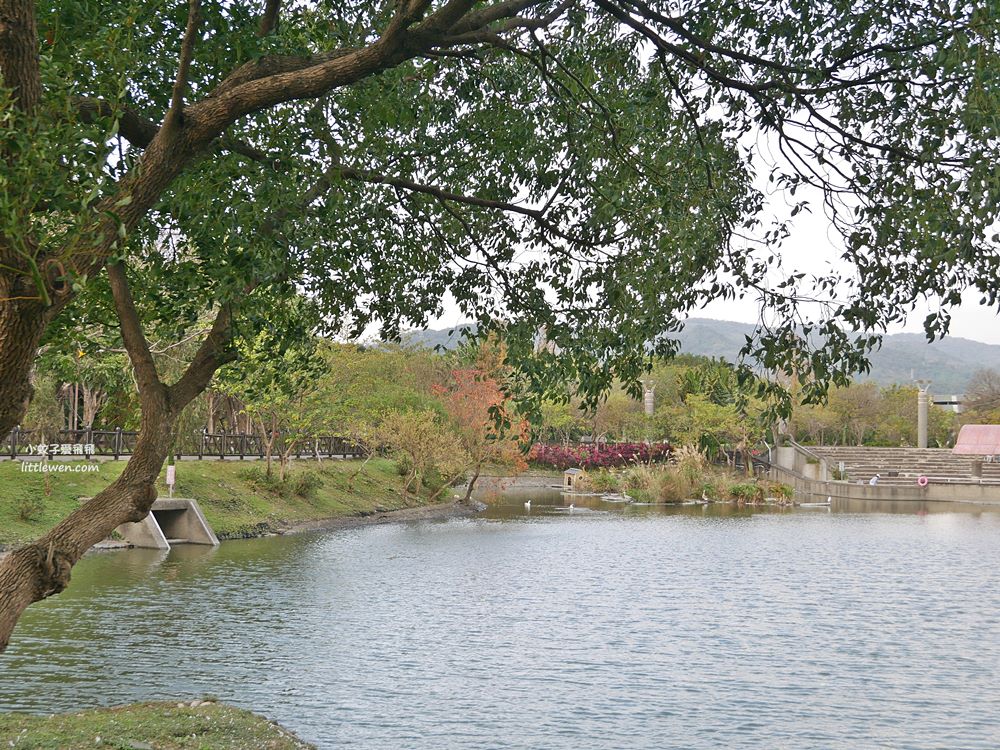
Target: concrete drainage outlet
<point>170,521</point>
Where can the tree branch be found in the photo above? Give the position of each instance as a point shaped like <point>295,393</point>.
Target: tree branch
<point>271,80</point>
<point>140,131</point>
<point>173,117</point>
<point>441,20</point>
<point>211,355</point>
<point>132,333</point>
<point>362,175</point>
<point>537,215</point>
<point>133,127</point>
<point>269,21</point>
<point>476,27</point>
<point>269,65</point>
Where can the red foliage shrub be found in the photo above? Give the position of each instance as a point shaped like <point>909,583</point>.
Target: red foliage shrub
<point>592,456</point>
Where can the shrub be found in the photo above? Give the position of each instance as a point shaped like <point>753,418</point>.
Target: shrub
<point>29,507</point>
<point>639,477</point>
<point>605,481</point>
<point>673,484</point>
<point>713,488</point>
<point>597,456</point>
<point>304,483</point>
<point>429,454</point>
<point>747,491</point>
<point>251,474</point>
<point>691,464</point>
<point>257,478</point>
<point>780,490</point>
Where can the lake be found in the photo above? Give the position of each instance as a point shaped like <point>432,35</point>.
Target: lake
<point>605,626</point>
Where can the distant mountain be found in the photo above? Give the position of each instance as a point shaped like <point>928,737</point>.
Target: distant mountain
<point>948,363</point>
<point>431,338</point>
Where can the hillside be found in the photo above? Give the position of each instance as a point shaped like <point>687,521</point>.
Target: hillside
<point>948,363</point>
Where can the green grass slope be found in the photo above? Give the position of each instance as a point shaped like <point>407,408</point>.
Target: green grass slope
<point>163,726</point>
<point>235,496</point>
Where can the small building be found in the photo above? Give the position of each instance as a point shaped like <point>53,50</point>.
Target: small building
<point>573,479</point>
<point>978,440</point>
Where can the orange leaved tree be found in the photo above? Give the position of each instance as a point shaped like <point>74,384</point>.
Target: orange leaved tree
<point>486,423</point>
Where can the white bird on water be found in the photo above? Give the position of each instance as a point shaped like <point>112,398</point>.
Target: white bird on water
<point>571,507</point>
<point>527,505</point>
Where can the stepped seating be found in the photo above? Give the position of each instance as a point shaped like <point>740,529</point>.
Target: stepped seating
<point>937,464</point>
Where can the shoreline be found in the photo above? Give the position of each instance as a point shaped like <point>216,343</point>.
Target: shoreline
<point>148,724</point>
<point>434,512</point>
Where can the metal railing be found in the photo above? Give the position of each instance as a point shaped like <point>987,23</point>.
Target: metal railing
<point>88,443</point>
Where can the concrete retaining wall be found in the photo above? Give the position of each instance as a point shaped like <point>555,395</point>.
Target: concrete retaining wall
<point>791,466</point>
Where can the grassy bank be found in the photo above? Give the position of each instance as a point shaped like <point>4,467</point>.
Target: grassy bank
<point>163,726</point>
<point>688,476</point>
<point>236,497</point>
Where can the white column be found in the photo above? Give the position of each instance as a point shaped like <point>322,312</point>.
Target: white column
<point>648,404</point>
<point>923,397</point>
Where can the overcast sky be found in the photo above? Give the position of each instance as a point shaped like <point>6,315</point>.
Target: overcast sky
<point>814,247</point>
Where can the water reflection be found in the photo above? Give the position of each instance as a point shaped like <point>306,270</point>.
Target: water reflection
<point>510,504</point>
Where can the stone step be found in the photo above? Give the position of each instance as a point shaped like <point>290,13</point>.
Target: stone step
<point>938,464</point>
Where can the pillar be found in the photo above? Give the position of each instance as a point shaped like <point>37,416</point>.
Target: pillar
<point>923,397</point>
<point>648,404</point>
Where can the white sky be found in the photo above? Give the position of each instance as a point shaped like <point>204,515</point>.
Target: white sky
<point>813,248</point>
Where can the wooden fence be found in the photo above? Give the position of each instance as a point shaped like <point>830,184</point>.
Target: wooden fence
<point>117,443</point>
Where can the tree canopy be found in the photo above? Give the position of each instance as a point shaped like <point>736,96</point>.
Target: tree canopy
<point>586,166</point>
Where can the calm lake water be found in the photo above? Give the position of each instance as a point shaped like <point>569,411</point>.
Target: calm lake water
<point>605,627</point>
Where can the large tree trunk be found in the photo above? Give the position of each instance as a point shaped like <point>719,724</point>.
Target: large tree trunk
<point>41,569</point>
<point>22,323</point>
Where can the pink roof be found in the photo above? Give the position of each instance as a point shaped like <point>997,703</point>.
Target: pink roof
<point>978,440</point>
